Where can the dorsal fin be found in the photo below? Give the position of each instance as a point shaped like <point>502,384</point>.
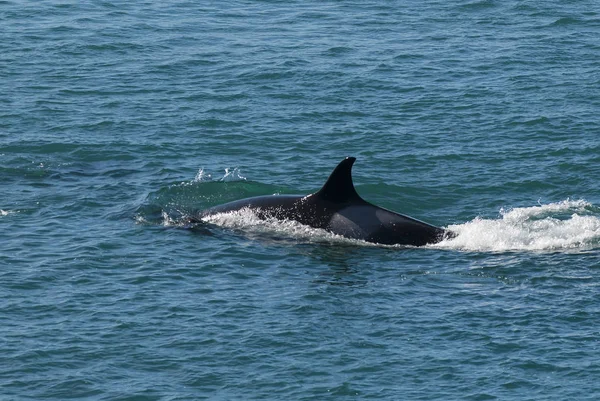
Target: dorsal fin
<point>339,187</point>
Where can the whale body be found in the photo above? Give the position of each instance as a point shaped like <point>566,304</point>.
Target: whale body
<point>338,208</point>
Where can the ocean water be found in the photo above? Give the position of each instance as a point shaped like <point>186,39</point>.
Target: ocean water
<point>120,119</point>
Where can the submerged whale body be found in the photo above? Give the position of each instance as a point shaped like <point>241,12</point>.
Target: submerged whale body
<point>338,208</point>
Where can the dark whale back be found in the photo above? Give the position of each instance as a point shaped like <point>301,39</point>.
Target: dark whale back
<point>338,208</point>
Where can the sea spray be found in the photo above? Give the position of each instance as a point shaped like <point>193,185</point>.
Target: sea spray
<point>554,226</point>
<point>248,222</point>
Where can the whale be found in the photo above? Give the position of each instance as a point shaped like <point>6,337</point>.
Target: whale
<point>338,209</point>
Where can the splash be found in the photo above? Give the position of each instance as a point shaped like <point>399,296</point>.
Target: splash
<point>233,175</point>
<point>202,176</point>
<point>247,221</point>
<point>563,225</point>
<point>229,176</point>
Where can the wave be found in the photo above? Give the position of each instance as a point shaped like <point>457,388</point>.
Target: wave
<point>246,221</point>
<point>563,225</point>
<point>566,225</point>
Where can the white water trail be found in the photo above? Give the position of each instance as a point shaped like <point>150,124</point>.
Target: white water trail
<point>247,221</point>
<point>563,225</point>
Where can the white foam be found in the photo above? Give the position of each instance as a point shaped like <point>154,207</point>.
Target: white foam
<point>139,219</point>
<point>246,219</point>
<point>168,221</point>
<point>556,226</point>
<point>6,212</point>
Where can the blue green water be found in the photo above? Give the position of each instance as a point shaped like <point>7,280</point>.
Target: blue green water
<point>120,119</point>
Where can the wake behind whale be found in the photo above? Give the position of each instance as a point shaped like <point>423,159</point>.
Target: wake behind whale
<point>567,225</point>
<point>561,226</point>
